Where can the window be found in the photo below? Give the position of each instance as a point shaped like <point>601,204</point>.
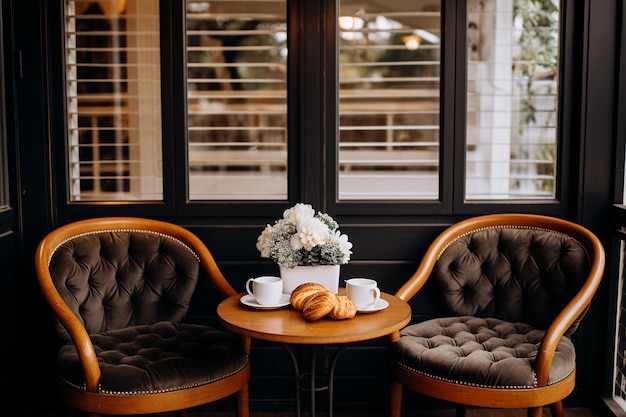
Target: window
<point>113,100</point>
<point>236,100</point>
<point>511,99</point>
<point>394,90</point>
<point>389,94</point>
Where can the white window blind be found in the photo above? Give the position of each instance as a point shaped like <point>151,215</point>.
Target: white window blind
<point>114,99</point>
<point>512,99</point>
<point>236,97</point>
<point>389,94</point>
<point>389,100</point>
<point>619,364</point>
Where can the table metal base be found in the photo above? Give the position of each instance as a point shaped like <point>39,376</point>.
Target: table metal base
<point>312,376</point>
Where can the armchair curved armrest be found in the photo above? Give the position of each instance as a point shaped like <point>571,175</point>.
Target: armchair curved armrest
<point>569,314</point>
<point>72,324</point>
<point>573,310</point>
<point>84,347</point>
<point>568,265</point>
<point>59,283</point>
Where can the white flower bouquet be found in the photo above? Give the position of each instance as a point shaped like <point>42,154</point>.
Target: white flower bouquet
<point>304,237</point>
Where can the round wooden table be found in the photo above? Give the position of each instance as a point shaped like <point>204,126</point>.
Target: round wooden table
<point>287,326</point>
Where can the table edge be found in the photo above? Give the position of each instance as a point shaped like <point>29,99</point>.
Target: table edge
<point>317,340</point>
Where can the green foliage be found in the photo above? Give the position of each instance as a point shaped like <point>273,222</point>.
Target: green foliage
<point>538,46</point>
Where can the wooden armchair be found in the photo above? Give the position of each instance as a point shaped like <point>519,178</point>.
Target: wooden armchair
<point>516,287</point>
<point>119,288</point>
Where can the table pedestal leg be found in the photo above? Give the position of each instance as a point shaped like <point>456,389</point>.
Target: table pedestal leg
<point>329,372</point>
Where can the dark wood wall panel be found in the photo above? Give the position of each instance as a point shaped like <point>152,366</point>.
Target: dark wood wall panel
<point>8,342</point>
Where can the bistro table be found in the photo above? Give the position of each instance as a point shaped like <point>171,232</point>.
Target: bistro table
<point>287,326</point>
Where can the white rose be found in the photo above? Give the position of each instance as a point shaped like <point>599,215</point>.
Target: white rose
<point>310,233</point>
<point>344,244</point>
<point>299,213</point>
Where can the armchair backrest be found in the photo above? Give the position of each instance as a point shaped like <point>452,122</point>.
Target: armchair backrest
<point>111,273</point>
<point>119,278</point>
<point>516,267</point>
<point>515,273</point>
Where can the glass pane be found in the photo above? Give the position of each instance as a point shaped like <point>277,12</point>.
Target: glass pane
<point>236,93</point>
<point>389,74</point>
<point>512,99</point>
<point>114,100</point>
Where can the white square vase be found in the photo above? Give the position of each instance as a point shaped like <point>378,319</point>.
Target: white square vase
<point>327,275</point>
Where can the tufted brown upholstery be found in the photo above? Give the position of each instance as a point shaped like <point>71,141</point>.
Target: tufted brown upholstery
<point>516,273</point>
<point>160,357</point>
<point>478,351</point>
<point>516,287</point>
<point>119,288</point>
<point>112,279</point>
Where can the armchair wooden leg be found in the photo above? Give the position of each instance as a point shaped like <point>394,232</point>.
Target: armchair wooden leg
<point>557,409</point>
<point>461,410</point>
<point>243,405</point>
<point>535,412</point>
<point>395,400</point>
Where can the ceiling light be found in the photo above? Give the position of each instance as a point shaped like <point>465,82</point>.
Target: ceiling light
<point>346,22</point>
<point>412,42</point>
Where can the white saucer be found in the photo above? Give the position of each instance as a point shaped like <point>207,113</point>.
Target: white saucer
<point>249,301</point>
<point>377,306</point>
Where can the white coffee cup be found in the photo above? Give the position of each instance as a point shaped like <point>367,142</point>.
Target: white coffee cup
<point>266,290</point>
<point>363,292</point>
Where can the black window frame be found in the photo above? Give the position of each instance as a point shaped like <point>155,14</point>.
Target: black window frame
<point>313,123</point>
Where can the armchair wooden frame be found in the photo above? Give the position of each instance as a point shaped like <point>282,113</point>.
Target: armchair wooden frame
<point>533,399</point>
<point>94,402</point>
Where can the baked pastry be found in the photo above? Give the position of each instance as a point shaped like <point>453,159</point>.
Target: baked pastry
<point>344,309</point>
<point>318,305</point>
<point>302,292</point>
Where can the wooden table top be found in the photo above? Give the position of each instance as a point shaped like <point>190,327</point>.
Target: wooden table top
<point>287,325</point>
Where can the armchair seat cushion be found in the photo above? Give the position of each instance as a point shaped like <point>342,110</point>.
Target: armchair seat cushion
<point>483,352</point>
<point>159,357</point>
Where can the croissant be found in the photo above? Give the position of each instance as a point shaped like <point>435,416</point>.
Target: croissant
<point>318,305</point>
<point>302,292</point>
<point>344,309</point>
